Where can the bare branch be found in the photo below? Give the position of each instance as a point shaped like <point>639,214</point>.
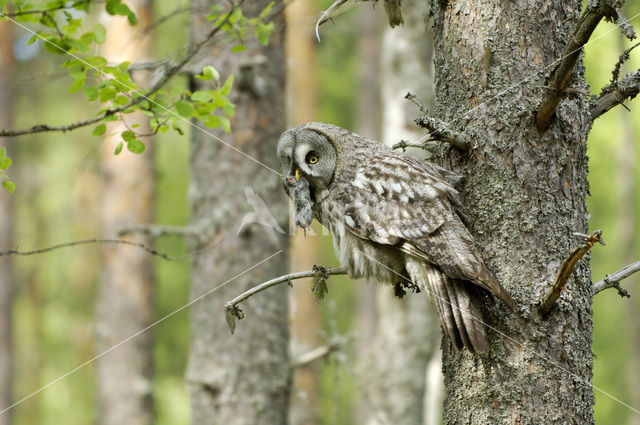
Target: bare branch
<point>621,60</point>
<point>155,230</point>
<point>559,79</point>
<point>613,280</point>
<point>438,130</point>
<point>171,72</point>
<point>234,312</point>
<point>318,353</point>
<point>566,269</point>
<point>94,241</point>
<point>616,93</point>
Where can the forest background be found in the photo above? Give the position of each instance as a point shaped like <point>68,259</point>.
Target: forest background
<point>58,199</point>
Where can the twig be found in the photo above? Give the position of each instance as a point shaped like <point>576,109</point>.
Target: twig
<point>559,79</point>
<point>234,312</point>
<point>140,97</point>
<point>318,353</point>
<point>616,93</point>
<point>41,11</point>
<point>155,230</point>
<point>93,241</point>
<point>414,99</point>
<point>566,269</point>
<point>613,280</point>
<point>438,130</point>
<point>624,56</point>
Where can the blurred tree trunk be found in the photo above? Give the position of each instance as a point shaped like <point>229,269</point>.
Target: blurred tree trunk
<point>525,196</point>
<point>242,378</point>
<point>627,160</point>
<point>411,323</point>
<point>305,312</point>
<point>6,272</point>
<point>125,300</point>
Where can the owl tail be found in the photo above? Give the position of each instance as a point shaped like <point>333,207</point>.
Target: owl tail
<point>458,307</point>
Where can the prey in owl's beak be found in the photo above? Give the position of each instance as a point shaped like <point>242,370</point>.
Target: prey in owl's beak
<point>299,192</point>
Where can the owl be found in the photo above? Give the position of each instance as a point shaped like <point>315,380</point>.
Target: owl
<point>392,217</point>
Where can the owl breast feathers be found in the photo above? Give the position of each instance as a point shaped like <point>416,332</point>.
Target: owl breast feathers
<point>394,217</point>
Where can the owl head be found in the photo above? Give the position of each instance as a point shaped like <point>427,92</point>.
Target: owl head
<point>306,152</point>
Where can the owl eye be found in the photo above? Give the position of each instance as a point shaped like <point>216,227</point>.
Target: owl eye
<point>311,158</point>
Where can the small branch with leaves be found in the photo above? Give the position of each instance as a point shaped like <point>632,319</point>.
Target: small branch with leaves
<point>319,288</point>
<point>613,280</point>
<point>594,12</point>
<point>566,269</point>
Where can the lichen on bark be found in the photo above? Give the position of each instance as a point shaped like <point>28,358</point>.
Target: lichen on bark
<point>525,197</point>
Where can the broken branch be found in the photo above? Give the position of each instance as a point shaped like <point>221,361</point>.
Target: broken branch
<point>438,130</point>
<point>559,79</point>
<point>566,269</point>
<point>318,272</point>
<point>616,93</point>
<point>613,280</point>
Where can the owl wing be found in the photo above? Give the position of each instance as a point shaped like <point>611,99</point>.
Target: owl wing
<point>399,200</point>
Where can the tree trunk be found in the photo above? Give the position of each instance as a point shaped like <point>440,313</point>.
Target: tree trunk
<point>125,300</point>
<point>242,378</point>
<point>305,313</point>
<point>525,197</point>
<point>411,322</point>
<point>6,272</point>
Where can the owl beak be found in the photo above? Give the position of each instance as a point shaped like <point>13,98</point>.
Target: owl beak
<point>298,174</point>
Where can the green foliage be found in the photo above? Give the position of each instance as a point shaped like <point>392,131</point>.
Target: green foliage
<point>5,163</point>
<point>112,85</point>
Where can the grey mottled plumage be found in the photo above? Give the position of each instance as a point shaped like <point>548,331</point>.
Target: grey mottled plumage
<point>393,215</point>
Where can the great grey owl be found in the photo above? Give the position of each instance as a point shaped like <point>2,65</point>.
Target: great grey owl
<point>390,215</point>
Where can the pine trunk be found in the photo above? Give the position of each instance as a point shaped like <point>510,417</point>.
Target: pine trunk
<point>125,301</point>
<point>525,196</point>
<point>242,378</point>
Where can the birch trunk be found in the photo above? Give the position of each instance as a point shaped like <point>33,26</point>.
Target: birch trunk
<point>525,192</point>
<point>125,300</point>
<point>242,378</point>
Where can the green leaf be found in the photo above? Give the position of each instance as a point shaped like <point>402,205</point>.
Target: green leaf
<point>202,95</point>
<point>184,108</point>
<point>77,85</point>
<point>177,128</point>
<point>118,148</point>
<point>5,161</point>
<point>136,146</point>
<point>128,135</point>
<point>225,124</point>
<point>226,88</point>
<point>263,32</point>
<point>209,72</point>
<point>99,130</point>
<point>121,100</point>
<point>107,93</point>
<point>9,186</point>
<point>239,48</point>
<point>100,33</point>
<point>91,93</point>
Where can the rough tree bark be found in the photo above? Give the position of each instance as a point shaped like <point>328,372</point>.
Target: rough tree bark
<point>405,65</point>
<point>242,378</point>
<point>6,275</point>
<point>125,301</point>
<point>525,192</point>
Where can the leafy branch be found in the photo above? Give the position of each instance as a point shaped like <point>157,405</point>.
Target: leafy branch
<point>113,86</point>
